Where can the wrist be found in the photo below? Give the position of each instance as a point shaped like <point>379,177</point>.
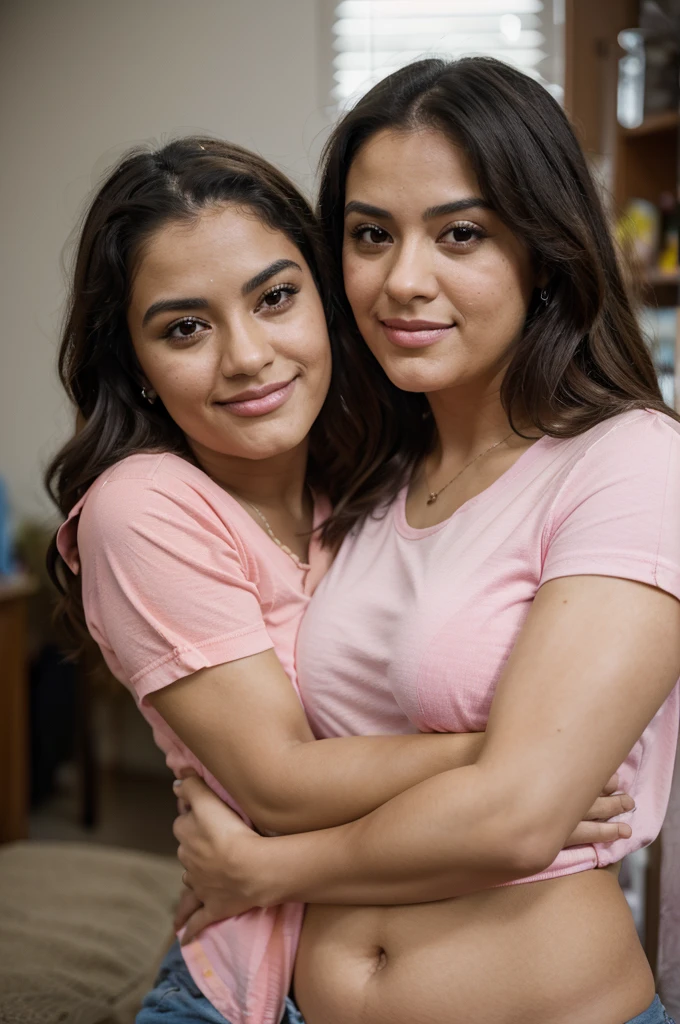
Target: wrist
<point>307,867</point>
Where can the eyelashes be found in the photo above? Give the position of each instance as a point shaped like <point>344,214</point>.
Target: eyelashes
<point>372,235</point>
<point>374,229</point>
<point>273,301</point>
<point>288,290</point>
<point>178,325</point>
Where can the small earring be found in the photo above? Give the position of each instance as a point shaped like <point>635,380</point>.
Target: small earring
<point>545,296</point>
<point>149,395</point>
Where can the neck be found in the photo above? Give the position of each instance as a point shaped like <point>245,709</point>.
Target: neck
<point>277,482</point>
<point>468,419</point>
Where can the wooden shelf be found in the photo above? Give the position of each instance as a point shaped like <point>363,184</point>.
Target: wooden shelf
<point>653,125</point>
<point>658,278</point>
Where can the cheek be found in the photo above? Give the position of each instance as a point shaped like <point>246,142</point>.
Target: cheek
<point>362,280</point>
<point>182,382</point>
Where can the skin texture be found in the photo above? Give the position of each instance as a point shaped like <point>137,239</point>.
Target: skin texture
<point>567,710</point>
<point>235,342</point>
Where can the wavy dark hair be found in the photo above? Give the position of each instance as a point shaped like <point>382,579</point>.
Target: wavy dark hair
<point>97,363</point>
<point>581,359</point>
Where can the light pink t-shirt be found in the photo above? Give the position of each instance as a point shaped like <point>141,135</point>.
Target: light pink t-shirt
<point>411,628</point>
<point>177,577</point>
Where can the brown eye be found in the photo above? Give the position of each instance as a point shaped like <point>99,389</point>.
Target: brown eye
<point>370,234</point>
<point>187,328</point>
<point>277,298</point>
<point>462,235</point>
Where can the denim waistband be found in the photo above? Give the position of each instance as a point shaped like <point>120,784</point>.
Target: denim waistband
<point>654,1014</point>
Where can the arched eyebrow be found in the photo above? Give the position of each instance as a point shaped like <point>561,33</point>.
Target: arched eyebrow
<point>443,210</point>
<point>470,203</point>
<point>264,275</point>
<point>173,306</point>
<point>193,304</point>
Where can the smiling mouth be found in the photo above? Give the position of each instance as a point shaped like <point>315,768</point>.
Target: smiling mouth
<point>414,333</point>
<point>259,401</point>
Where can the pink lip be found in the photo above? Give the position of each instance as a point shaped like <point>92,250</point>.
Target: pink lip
<point>414,333</point>
<point>258,401</point>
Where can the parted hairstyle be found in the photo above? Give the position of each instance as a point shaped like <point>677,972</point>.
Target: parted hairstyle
<point>97,363</point>
<point>581,358</point>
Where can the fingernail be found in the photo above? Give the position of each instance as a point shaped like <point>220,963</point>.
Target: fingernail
<point>177,785</point>
<point>627,802</point>
<point>625,831</point>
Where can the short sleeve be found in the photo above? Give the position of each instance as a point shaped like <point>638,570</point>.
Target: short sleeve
<point>618,512</point>
<point>165,586</point>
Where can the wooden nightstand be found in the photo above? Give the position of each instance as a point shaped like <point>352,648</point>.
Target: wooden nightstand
<point>14,594</point>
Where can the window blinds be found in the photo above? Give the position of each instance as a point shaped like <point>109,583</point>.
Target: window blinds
<point>372,38</point>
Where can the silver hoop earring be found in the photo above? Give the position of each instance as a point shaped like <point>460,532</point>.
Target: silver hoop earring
<point>149,395</point>
<point>545,296</point>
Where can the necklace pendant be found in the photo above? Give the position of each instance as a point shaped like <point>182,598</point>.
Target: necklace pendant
<point>432,498</point>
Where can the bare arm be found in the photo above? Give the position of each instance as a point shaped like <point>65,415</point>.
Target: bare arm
<point>594,662</point>
<point>244,722</point>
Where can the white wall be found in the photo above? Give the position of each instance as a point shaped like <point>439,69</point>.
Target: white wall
<point>80,81</point>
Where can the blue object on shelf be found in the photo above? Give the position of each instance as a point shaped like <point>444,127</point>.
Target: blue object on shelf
<point>7,564</point>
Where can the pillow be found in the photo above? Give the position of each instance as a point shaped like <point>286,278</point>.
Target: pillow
<point>83,929</point>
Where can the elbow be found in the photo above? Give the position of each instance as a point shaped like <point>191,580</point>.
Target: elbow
<point>275,814</point>
<point>529,852</point>
<point>523,843</point>
<point>275,823</point>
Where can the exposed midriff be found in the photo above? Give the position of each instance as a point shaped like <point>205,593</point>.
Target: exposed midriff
<point>561,951</point>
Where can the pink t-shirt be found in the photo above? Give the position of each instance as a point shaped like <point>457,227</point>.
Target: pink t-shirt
<point>411,628</point>
<point>177,577</point>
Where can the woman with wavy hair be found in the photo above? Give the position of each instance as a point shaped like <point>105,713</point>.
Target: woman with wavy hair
<point>510,561</point>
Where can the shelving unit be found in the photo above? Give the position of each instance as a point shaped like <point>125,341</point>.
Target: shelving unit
<point>633,163</point>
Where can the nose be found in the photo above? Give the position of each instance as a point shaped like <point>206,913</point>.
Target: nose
<point>411,273</point>
<point>245,350</point>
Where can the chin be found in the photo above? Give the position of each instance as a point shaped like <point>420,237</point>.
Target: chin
<point>417,378</point>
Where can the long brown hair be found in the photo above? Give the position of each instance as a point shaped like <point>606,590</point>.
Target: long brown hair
<point>97,363</point>
<point>581,359</point>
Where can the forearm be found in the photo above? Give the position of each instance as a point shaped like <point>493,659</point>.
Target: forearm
<point>331,782</point>
<point>446,837</point>
<point>245,723</point>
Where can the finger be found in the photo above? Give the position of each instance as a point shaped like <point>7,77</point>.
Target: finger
<point>189,903</point>
<point>199,920</point>
<point>182,806</point>
<point>612,785</point>
<point>599,832</point>
<point>606,807</point>
<point>191,788</point>
<point>184,826</point>
<point>182,858</point>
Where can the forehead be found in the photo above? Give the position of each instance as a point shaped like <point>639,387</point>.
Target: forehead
<point>422,164</point>
<point>225,242</point>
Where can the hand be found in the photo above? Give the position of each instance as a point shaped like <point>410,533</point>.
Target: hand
<point>188,904</point>
<point>218,852</point>
<point>595,828</point>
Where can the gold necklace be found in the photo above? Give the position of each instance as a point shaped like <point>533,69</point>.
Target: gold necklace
<point>433,495</point>
<point>284,547</point>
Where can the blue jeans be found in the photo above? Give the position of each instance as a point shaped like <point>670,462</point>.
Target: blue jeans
<point>654,1014</point>
<point>175,998</point>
